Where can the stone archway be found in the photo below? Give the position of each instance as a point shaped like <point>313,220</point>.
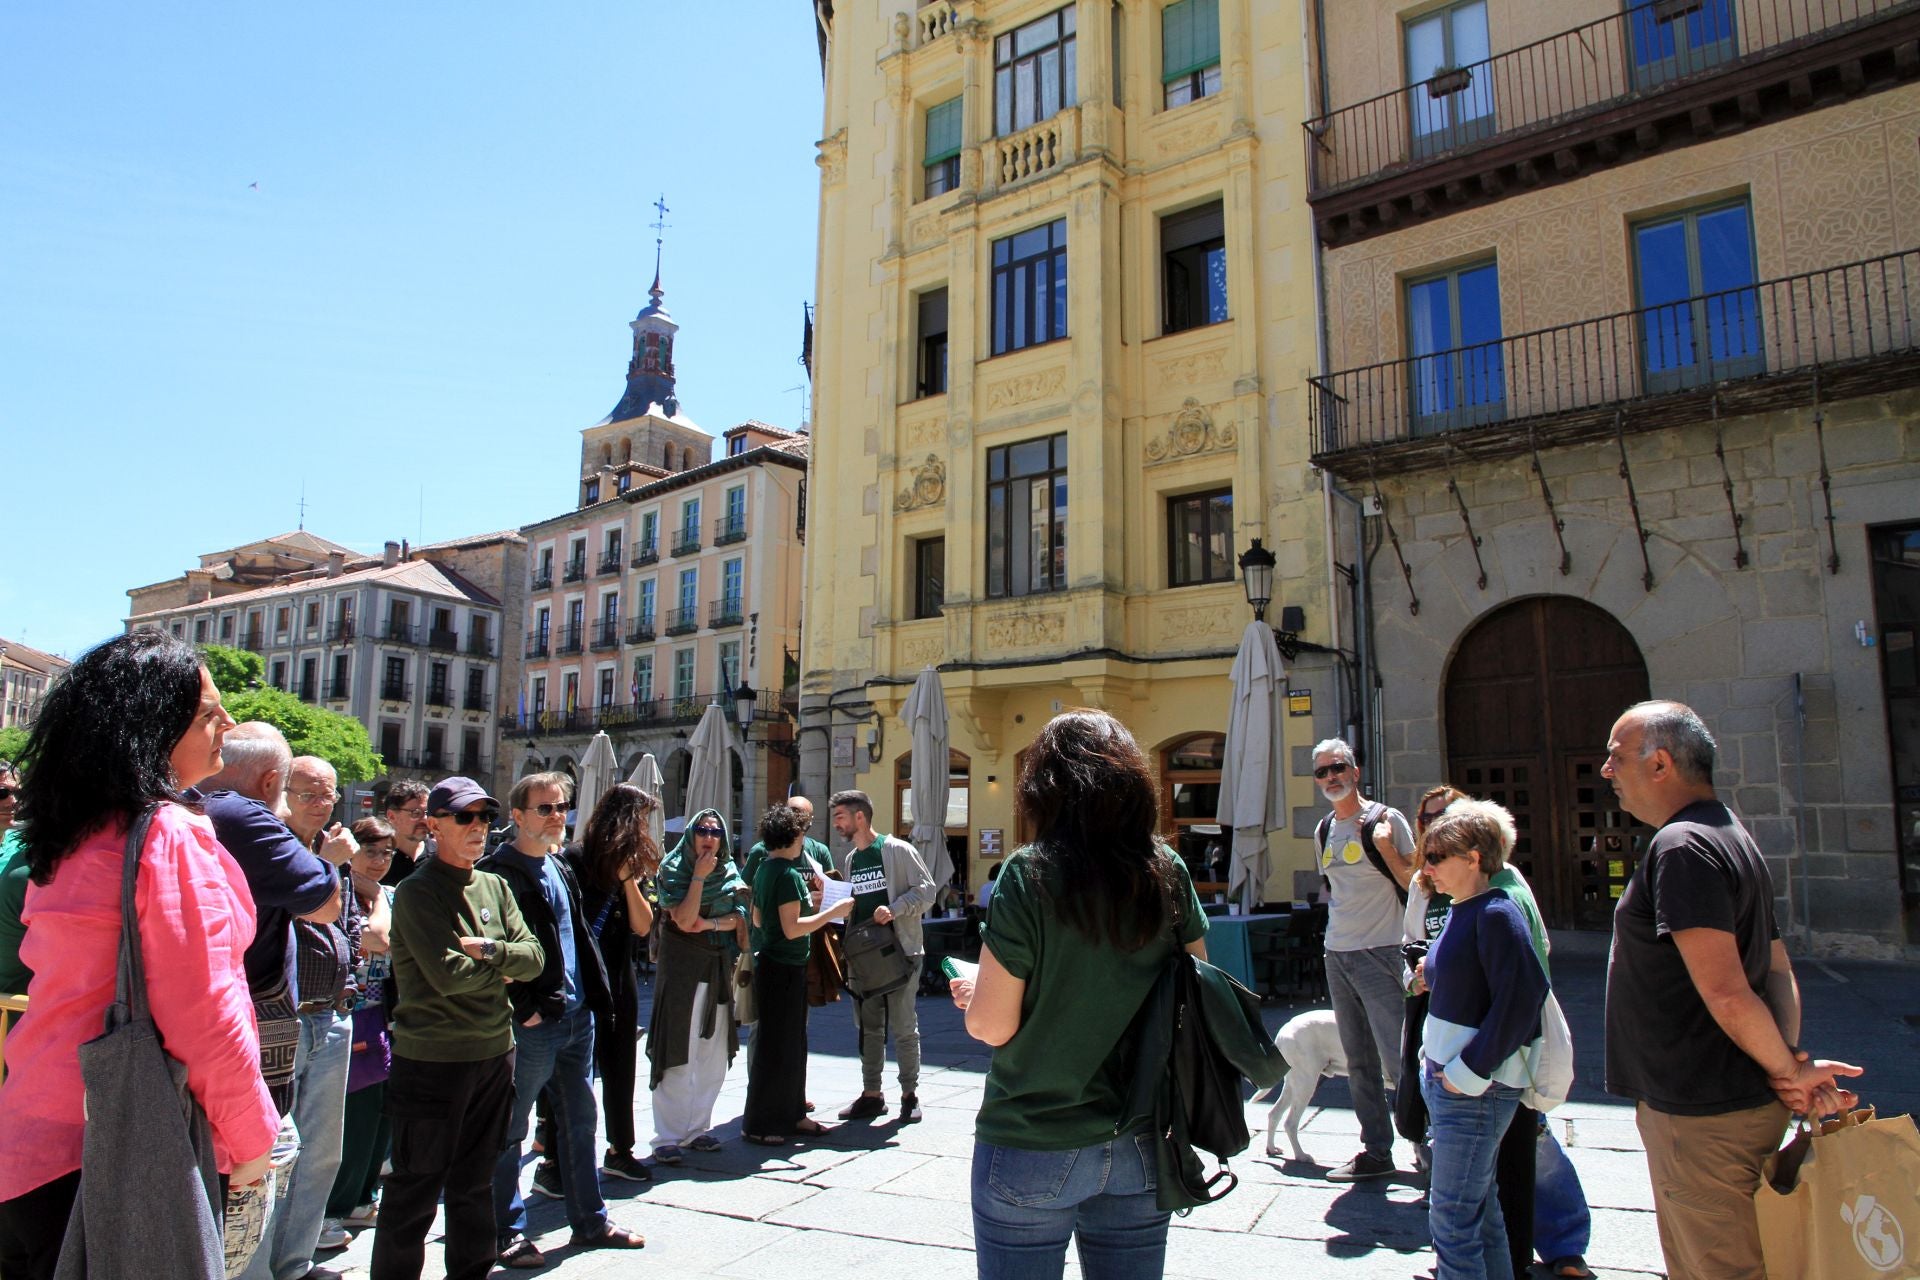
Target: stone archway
<point>1530,693</point>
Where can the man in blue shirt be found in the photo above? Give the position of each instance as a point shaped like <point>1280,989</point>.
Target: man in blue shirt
<point>553,1027</point>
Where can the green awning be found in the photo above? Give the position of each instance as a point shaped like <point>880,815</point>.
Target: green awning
<point>1189,37</point>
<point>943,131</point>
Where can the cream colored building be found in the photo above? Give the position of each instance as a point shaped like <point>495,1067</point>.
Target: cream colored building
<point>1622,316</point>
<point>25,676</point>
<point>1066,314</point>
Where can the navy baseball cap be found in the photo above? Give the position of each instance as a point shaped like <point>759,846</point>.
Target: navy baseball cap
<point>456,794</point>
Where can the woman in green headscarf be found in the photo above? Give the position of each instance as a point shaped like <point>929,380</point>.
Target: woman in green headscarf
<point>691,1039</point>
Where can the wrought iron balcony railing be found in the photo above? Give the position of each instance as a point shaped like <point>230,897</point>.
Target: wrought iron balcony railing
<point>341,631</point>
<point>1852,324</point>
<point>539,644</point>
<point>611,562</point>
<point>606,634</point>
<point>447,641</point>
<point>575,570</point>
<point>479,644</point>
<point>393,691</point>
<point>729,529</point>
<point>641,630</point>
<point>727,611</point>
<point>572,638</point>
<point>645,554</point>
<point>682,622</point>
<point>1551,82</point>
<point>542,580</point>
<point>439,695</point>
<point>686,541</point>
<point>476,700</point>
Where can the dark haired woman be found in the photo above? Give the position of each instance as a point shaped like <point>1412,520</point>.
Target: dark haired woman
<point>1081,924</point>
<point>133,725</point>
<point>612,857</point>
<point>366,1132</point>
<point>783,922</point>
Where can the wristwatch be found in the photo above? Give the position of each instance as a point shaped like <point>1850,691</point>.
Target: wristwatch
<point>489,949</point>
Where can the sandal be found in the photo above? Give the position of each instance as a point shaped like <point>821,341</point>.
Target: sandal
<point>765,1139</point>
<point>810,1129</point>
<point>522,1255</point>
<point>1571,1267</point>
<point>614,1237</point>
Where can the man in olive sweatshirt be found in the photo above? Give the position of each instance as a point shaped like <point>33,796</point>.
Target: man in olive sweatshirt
<point>458,939</point>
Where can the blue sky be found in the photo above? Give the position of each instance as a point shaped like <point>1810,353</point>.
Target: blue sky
<point>429,289</point>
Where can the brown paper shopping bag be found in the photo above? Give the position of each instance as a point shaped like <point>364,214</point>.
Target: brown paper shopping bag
<point>1844,1201</point>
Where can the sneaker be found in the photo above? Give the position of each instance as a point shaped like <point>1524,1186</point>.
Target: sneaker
<point>909,1108</point>
<point>668,1155</point>
<point>621,1164</point>
<point>864,1107</point>
<point>706,1142</point>
<point>521,1254</point>
<point>1362,1167</point>
<point>546,1181</point>
<point>333,1235</point>
<point>365,1216</point>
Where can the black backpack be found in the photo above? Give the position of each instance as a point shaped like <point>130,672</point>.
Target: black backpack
<point>1368,817</point>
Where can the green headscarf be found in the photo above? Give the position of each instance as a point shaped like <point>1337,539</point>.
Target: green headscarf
<point>722,893</point>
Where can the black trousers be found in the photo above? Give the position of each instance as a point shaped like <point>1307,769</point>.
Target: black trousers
<point>1513,1182</point>
<point>777,1070</point>
<point>616,1048</point>
<point>33,1226</point>
<point>449,1125</point>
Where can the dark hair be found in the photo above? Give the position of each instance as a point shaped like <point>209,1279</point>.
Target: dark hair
<point>517,798</point>
<point>102,746</point>
<point>1086,793</point>
<point>367,830</point>
<point>780,826</point>
<point>858,801</point>
<point>615,842</point>
<point>403,792</point>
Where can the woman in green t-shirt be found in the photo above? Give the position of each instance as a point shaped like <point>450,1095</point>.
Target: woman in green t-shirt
<point>1081,923</point>
<point>782,896</point>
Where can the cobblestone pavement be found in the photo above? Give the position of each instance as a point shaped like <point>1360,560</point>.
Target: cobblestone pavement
<point>888,1199</point>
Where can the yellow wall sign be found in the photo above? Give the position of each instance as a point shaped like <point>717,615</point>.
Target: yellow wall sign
<point>1300,702</point>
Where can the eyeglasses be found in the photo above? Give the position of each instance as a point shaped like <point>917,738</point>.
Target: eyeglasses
<point>545,810</point>
<point>1333,770</point>
<point>466,818</point>
<point>316,797</point>
<point>419,812</point>
<point>381,852</point>
<point>708,831</point>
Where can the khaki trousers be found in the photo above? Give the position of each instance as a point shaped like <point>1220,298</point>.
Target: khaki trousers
<point>1705,1170</point>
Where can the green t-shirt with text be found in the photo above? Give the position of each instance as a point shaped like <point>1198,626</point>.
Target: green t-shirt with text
<point>777,881</point>
<point>1061,1082</point>
<point>867,877</point>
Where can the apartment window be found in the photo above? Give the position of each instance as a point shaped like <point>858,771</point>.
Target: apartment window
<point>226,626</point>
<point>277,676</point>
<point>1200,538</point>
<point>729,665</point>
<point>1701,320</point>
<point>439,693</point>
<point>942,149</point>
<point>199,630</point>
<point>282,620</point>
<point>309,679</point>
<point>930,372</point>
<point>1447,52</point>
<point>610,609</point>
<point>613,546</point>
<point>593,492</point>
<point>736,446</point>
<point>625,482</point>
<point>1193,256</point>
<point>737,507</point>
<point>1457,366</point>
<point>1033,72</point>
<point>643,679</point>
<point>690,519</point>
<point>433,754</point>
<point>682,675</point>
<point>390,743</point>
<point>650,533</point>
<point>476,689</point>
<point>1190,51</point>
<point>338,687</point>
<point>539,694</point>
<point>546,566</point>
<point>570,684</point>
<point>394,685</point>
<point>313,614</point>
<point>398,618</point>
<point>929,576</point>
<point>647,593</point>
<point>1027,517</point>
<point>477,639</point>
<point>730,582</point>
<point>179,630</point>
<point>470,752</point>
<point>606,687</point>
<point>543,626</point>
<point>1670,41</point>
<point>1030,287</point>
<point>689,588</point>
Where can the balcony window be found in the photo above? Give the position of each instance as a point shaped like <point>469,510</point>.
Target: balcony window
<point>1033,72</point>
<point>682,675</point>
<point>1190,51</point>
<point>339,687</point>
<point>1702,321</point>
<point>1672,39</point>
<point>1027,517</point>
<point>729,665</point>
<point>592,494</point>
<point>942,149</point>
<point>390,743</point>
<point>1030,287</point>
<point>930,372</point>
<point>607,675</point>
<point>1200,538</point>
<point>1445,51</point>
<point>1456,365</point>
<point>929,576</point>
<point>476,689</point>
<point>1193,255</point>
<point>277,675</point>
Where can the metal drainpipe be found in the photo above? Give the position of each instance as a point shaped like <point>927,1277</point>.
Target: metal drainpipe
<point>1800,804</point>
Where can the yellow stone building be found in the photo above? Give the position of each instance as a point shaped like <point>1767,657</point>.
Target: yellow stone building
<point>1065,320</point>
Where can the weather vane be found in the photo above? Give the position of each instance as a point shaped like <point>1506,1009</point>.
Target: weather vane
<point>659,225</point>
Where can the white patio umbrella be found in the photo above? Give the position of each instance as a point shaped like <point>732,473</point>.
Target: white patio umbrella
<point>1253,784</point>
<point>925,714</point>
<point>599,770</point>
<point>646,776</point>
<point>710,778</point>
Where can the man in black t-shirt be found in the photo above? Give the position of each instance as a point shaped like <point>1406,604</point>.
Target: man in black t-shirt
<point>1703,1016</point>
<point>406,812</point>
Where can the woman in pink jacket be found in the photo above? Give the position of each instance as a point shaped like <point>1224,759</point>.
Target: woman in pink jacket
<point>135,722</point>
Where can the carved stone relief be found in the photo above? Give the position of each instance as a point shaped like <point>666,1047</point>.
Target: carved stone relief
<point>1201,366</point>
<point>1025,630</point>
<point>1026,388</point>
<point>929,487</point>
<point>1192,433</point>
<point>1193,624</point>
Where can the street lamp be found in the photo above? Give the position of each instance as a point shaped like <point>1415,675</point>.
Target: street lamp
<point>744,699</point>
<point>1256,576</point>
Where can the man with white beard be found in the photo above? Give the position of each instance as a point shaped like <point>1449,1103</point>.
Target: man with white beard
<point>1364,850</point>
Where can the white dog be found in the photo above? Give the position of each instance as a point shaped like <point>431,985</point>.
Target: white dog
<point>1311,1045</point>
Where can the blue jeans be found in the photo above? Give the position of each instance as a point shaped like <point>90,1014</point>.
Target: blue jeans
<point>1469,1234</point>
<point>319,1113</point>
<point>1026,1204</point>
<point>1562,1222</point>
<point>560,1052</point>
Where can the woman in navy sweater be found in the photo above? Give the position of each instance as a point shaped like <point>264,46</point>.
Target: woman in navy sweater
<point>1484,1012</point>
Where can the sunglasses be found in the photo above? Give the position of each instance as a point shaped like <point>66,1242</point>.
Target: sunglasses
<point>1332,770</point>
<point>466,819</point>
<point>545,810</point>
<point>8,793</point>
<point>1423,817</point>
<point>707,831</point>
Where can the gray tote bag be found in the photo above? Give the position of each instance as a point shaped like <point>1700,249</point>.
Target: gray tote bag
<point>149,1202</point>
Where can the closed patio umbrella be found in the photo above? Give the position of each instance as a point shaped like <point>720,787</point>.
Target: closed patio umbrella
<point>710,777</point>
<point>646,776</point>
<point>1253,784</point>
<point>925,714</point>
<point>599,770</point>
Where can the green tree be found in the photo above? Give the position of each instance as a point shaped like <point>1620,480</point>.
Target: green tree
<point>13,742</point>
<point>311,731</point>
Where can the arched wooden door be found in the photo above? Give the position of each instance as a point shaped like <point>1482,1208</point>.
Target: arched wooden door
<point>1530,696</point>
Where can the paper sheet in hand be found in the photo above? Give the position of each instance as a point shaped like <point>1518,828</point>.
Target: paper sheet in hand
<point>832,891</point>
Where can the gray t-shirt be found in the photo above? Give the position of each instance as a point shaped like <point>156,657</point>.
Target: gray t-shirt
<point>1364,907</point>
